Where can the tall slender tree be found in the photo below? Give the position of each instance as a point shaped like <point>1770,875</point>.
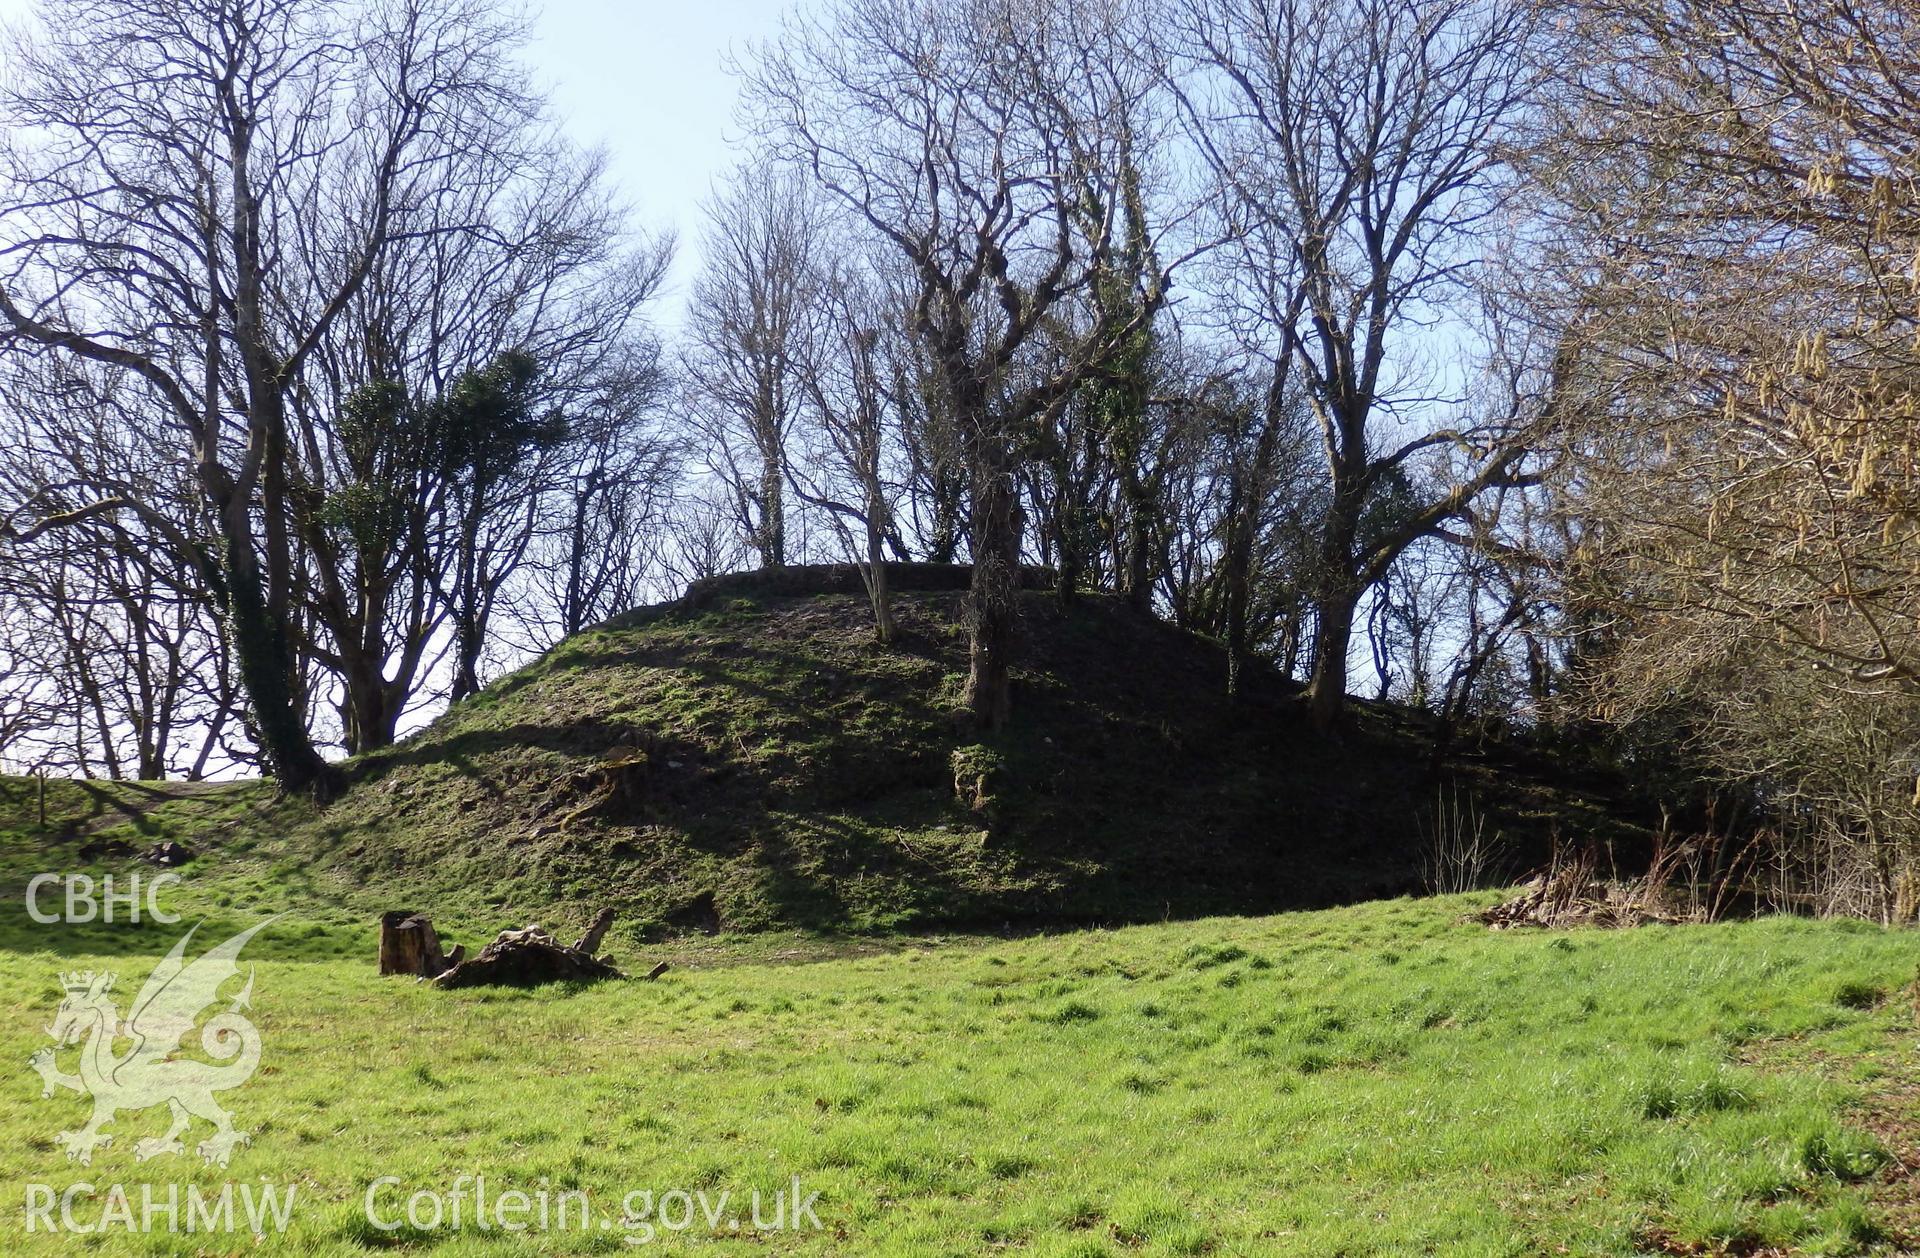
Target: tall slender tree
<point>746,324</point>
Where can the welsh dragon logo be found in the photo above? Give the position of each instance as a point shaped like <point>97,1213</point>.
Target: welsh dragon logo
<point>148,1074</point>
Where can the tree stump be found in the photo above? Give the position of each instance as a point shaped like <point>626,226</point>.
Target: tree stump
<point>409,945</point>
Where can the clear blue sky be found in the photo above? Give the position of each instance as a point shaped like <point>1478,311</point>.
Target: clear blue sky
<point>643,79</point>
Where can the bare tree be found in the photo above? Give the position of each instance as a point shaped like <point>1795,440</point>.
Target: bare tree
<point>526,254</point>
<point>1753,370</point>
<point>701,539</point>
<point>597,549</point>
<point>847,365</point>
<point>986,143</point>
<point>1243,510</point>
<point>193,195</point>
<point>935,511</point>
<point>746,322</point>
<point>110,628</point>
<point>1361,153</point>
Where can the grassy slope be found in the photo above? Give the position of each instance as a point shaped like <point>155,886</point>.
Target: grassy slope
<point>1381,1079</point>
<point>799,776</point>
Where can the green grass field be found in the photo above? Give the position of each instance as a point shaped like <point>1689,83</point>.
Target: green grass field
<point>1384,1079</point>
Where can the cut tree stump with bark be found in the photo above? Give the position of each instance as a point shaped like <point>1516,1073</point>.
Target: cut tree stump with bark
<point>409,945</point>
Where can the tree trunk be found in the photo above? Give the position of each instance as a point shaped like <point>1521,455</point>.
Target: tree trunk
<point>466,665</point>
<point>1137,585</point>
<point>574,614</point>
<point>1338,592</point>
<point>258,603</point>
<point>1239,592</point>
<point>1249,492</point>
<point>944,543</point>
<point>992,609</point>
<point>773,512</point>
<point>468,590</point>
<point>371,716</point>
<point>1333,634</point>
<point>260,645</point>
<point>1069,563</point>
<point>877,580</point>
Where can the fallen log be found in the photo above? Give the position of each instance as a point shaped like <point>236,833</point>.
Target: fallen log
<point>530,957</point>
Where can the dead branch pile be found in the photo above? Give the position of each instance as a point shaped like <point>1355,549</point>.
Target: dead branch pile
<point>1702,879</point>
<point>1572,892</point>
<point>1560,900</point>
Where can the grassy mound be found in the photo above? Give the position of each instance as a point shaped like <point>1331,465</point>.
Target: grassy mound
<point>750,759</point>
